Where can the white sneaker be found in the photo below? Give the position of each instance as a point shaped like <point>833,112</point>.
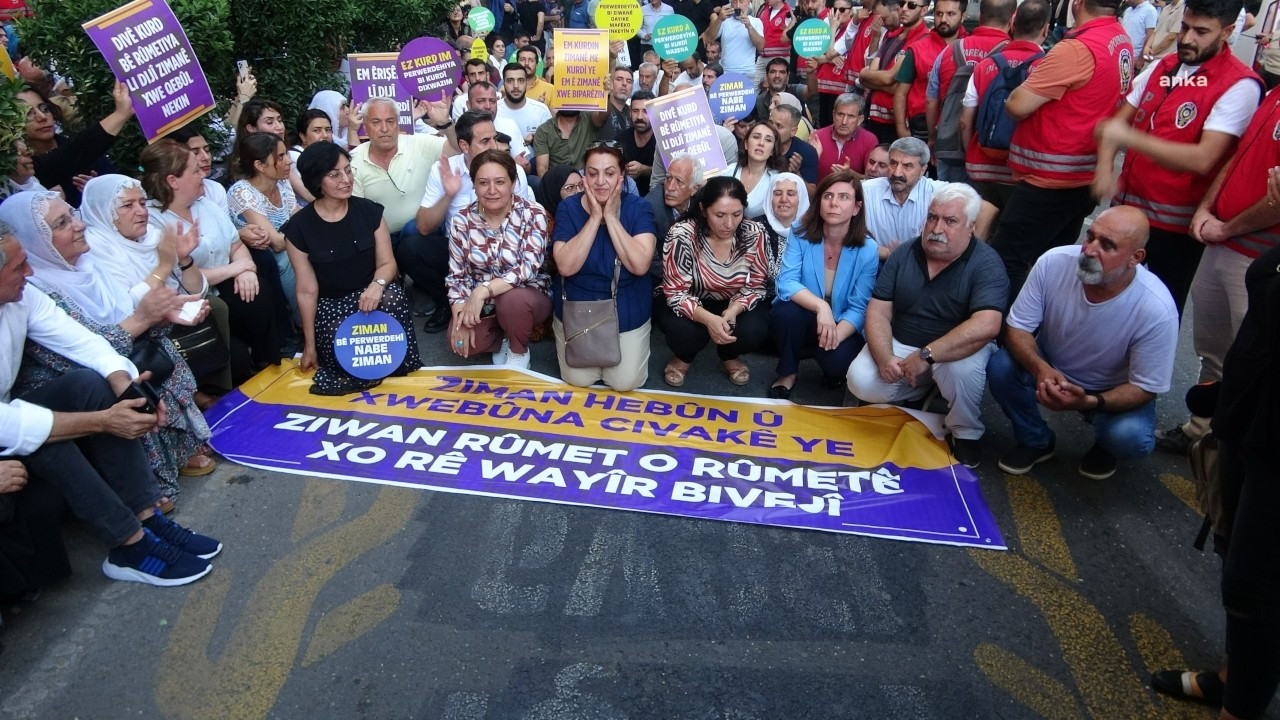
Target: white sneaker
<point>519,360</point>
<point>500,357</point>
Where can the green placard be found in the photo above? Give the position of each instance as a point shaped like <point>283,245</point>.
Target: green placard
<point>675,38</point>
<point>481,20</point>
<point>812,38</point>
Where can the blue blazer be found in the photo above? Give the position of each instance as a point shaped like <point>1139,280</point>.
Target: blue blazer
<point>803,269</point>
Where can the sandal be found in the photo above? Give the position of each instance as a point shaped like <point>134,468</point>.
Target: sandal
<point>165,506</point>
<point>198,466</point>
<point>672,375</point>
<point>1201,687</point>
<point>739,373</point>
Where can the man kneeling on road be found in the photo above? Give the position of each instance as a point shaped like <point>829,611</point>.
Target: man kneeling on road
<point>934,312</point>
<point>1105,346</point>
<point>74,434</point>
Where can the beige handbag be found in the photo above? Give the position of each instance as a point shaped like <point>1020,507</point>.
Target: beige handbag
<point>591,328</point>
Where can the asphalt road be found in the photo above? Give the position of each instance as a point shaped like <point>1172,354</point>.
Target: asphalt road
<point>347,600</point>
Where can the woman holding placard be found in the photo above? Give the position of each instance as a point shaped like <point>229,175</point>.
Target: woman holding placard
<point>713,278</point>
<point>66,163</point>
<point>340,249</point>
<point>497,248</point>
<point>759,159</point>
<point>788,200</point>
<point>828,270</point>
<point>603,245</point>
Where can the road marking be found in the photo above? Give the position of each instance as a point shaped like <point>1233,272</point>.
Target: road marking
<point>350,620</point>
<point>1183,489</point>
<point>616,543</point>
<point>322,504</point>
<point>1039,531</point>
<point>1029,685</point>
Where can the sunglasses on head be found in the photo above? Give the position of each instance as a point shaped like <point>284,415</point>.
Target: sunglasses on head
<point>611,144</point>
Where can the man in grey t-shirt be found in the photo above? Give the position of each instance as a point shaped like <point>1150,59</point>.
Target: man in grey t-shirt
<point>935,310</point>
<point>1106,335</point>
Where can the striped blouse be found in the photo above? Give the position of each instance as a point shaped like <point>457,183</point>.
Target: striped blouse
<point>516,252</point>
<point>692,273</point>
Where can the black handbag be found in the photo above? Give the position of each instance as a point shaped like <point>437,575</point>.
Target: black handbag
<point>149,354</point>
<point>201,346</point>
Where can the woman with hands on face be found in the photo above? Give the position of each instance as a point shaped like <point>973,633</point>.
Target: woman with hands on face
<point>497,249</point>
<point>340,248</point>
<point>714,273</point>
<point>595,232</point>
<point>828,271</point>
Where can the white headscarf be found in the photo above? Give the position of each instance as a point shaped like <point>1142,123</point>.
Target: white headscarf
<point>802,204</point>
<point>84,284</point>
<point>331,102</point>
<point>126,261</point>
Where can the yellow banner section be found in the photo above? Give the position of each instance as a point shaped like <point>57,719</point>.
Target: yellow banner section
<point>581,61</point>
<point>499,399</point>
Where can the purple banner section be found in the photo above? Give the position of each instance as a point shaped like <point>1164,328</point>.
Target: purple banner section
<point>682,122</point>
<point>377,75</point>
<point>429,69</point>
<point>147,50</point>
<point>938,506</point>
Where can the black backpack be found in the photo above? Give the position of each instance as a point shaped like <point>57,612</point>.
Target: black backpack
<point>995,128</point>
<point>948,144</point>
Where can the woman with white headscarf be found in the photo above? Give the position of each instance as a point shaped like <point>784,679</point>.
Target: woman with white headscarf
<point>787,200</point>
<point>335,105</point>
<point>86,287</point>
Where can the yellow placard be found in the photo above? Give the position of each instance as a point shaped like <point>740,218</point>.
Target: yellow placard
<point>622,18</point>
<point>581,60</point>
<point>479,51</point>
<point>6,64</point>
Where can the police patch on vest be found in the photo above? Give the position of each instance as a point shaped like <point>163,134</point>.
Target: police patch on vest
<point>1186,113</point>
<point>1126,69</point>
<point>1275,134</point>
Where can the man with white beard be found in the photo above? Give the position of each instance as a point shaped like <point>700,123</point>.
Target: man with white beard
<point>1105,346</point>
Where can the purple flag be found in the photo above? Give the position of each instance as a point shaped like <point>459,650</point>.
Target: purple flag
<point>376,75</point>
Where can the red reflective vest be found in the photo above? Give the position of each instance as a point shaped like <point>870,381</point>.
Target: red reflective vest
<point>974,48</point>
<point>1246,180</point>
<point>856,59</point>
<point>1175,113</point>
<point>1056,141</point>
<point>775,44</point>
<point>830,80</point>
<point>977,164</point>
<point>924,52</point>
<point>880,104</point>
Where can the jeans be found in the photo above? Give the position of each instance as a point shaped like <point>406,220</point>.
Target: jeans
<point>1123,434</point>
<point>952,171</point>
<point>105,479</point>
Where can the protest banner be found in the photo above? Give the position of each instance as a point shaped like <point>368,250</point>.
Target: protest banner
<point>812,38</point>
<point>370,345</point>
<point>682,121</point>
<point>675,37</point>
<point>732,96</point>
<point>622,18</point>
<point>507,433</point>
<point>376,75</point>
<point>147,50</point>
<point>428,68</point>
<point>581,63</point>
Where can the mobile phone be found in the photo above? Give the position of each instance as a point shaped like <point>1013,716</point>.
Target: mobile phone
<point>142,390</point>
<point>242,68</point>
<point>739,12</point>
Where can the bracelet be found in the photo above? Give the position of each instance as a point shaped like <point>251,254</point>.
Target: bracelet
<point>157,277</point>
<point>445,126</point>
<point>190,262</point>
<point>1102,402</point>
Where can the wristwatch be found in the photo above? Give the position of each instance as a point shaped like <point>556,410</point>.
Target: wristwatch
<point>381,282</point>
<point>926,354</point>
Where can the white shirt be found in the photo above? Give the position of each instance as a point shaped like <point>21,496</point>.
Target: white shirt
<point>650,17</point>
<point>1137,21</point>
<point>24,427</point>
<point>737,52</point>
<point>1230,115</point>
<point>657,82</point>
<point>1133,337</point>
<point>759,194</point>
<point>508,127</point>
<point>527,117</point>
<point>217,194</point>
<point>466,193</point>
<point>217,232</point>
<point>684,80</point>
<point>890,222</point>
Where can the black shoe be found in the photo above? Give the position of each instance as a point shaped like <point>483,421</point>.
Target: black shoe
<point>780,392</point>
<point>1021,459</point>
<point>438,320</point>
<point>966,452</point>
<point>1097,464</point>
<point>1173,440</point>
<point>831,382</point>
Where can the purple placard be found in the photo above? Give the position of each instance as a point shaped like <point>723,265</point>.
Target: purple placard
<point>429,68</point>
<point>732,96</point>
<point>376,75</point>
<point>147,50</point>
<point>660,476</point>
<point>682,122</point>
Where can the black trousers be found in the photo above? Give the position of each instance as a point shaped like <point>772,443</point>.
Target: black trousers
<point>1034,220</point>
<point>687,338</point>
<point>106,480</point>
<point>886,133</point>
<point>1251,579</point>
<point>425,260</point>
<point>262,323</point>
<point>1174,257</point>
<point>795,335</point>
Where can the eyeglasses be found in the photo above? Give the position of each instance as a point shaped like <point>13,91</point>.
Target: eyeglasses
<point>64,221</point>
<point>842,9</point>
<point>915,6</point>
<point>572,188</point>
<point>43,109</point>
<point>347,172</point>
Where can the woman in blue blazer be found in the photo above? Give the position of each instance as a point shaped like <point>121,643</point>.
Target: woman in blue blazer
<point>823,287</point>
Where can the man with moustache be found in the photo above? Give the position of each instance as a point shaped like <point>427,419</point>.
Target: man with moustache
<point>1094,332</point>
<point>909,101</point>
<point>897,203</point>
<point>845,143</point>
<point>638,145</point>
<point>669,201</point>
<point>517,106</point>
<point>933,317</point>
<point>618,104</point>
<point>535,88</point>
<point>877,163</point>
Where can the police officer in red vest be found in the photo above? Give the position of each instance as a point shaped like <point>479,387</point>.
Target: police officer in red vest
<point>1053,153</point>
<point>904,23</point>
<point>917,61</point>
<point>1181,120</point>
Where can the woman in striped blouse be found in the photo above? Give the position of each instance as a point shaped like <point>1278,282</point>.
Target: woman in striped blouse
<point>497,249</point>
<point>714,275</point>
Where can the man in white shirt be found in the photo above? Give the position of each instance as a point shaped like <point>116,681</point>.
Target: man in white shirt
<point>650,14</point>
<point>1139,21</point>
<point>690,75</point>
<point>483,97</point>
<point>475,71</point>
<point>516,106</point>
<point>51,434</point>
<point>896,205</point>
<point>741,37</point>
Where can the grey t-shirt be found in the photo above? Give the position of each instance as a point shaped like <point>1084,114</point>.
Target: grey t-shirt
<point>1133,337</point>
<point>925,310</point>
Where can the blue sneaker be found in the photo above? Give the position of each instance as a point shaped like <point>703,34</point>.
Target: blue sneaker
<point>154,562</point>
<point>182,538</point>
